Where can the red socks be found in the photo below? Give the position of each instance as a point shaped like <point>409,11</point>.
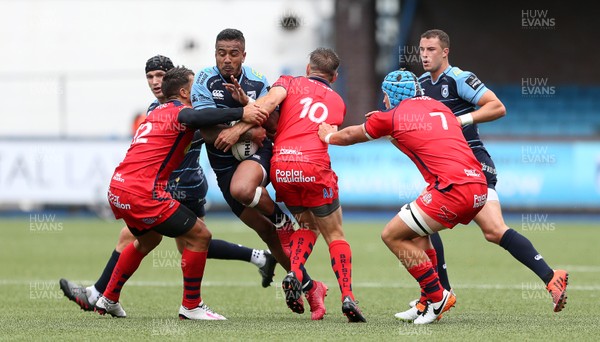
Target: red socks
<point>302,242</point>
<point>129,261</point>
<point>192,265</point>
<point>341,263</point>
<point>433,257</point>
<point>428,279</point>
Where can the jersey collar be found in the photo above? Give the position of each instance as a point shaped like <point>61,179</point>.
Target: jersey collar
<point>227,81</point>
<point>447,70</point>
<point>319,79</point>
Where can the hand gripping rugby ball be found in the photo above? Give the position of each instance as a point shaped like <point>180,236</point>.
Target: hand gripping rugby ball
<point>244,149</point>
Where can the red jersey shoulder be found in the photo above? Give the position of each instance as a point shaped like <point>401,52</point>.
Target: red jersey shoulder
<point>380,124</point>
<point>283,81</point>
<point>166,114</point>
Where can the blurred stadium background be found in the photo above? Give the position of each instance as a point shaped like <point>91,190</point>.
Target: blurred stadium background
<point>72,79</point>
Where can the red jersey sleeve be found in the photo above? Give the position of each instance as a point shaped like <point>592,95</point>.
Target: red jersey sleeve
<point>379,125</point>
<point>283,81</point>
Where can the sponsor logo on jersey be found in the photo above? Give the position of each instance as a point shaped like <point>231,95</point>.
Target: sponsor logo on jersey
<point>445,91</point>
<point>288,154</point>
<point>472,173</point>
<point>218,94</point>
<point>202,78</point>
<point>479,200</point>
<point>117,177</point>
<point>486,168</point>
<point>149,220</point>
<point>212,83</point>
<point>473,82</point>
<point>426,198</point>
<point>114,200</point>
<point>327,193</point>
<point>252,94</point>
<point>293,176</point>
<point>257,74</point>
<point>447,214</point>
<point>205,98</point>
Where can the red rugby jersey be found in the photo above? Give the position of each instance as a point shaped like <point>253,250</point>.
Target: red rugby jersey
<point>309,101</point>
<point>157,149</point>
<point>429,134</point>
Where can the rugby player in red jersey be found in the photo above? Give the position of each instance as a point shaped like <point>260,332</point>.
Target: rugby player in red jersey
<point>138,193</point>
<point>302,176</point>
<point>457,190</point>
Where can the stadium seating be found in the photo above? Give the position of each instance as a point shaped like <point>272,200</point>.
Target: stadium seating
<point>571,112</point>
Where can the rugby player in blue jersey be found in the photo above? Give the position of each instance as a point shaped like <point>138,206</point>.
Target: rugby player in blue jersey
<point>188,185</point>
<point>472,103</point>
<point>229,84</point>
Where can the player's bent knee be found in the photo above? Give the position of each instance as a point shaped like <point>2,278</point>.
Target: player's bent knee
<point>494,235</point>
<point>387,235</point>
<point>242,193</point>
<point>200,231</point>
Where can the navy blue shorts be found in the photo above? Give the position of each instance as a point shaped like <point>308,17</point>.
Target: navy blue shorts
<point>263,157</point>
<point>487,166</point>
<point>192,196</point>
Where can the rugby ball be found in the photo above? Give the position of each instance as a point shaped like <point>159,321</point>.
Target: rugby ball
<point>244,149</point>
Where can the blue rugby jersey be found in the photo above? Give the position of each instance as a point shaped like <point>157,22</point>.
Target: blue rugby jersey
<point>460,91</point>
<point>208,91</point>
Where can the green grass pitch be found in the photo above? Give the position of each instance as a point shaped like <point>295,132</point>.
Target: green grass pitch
<point>498,298</point>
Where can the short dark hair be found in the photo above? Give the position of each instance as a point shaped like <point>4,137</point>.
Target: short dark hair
<point>232,34</point>
<point>325,61</point>
<point>439,34</point>
<point>175,79</point>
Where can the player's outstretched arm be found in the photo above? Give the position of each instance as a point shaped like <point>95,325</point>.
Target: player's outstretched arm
<point>214,116</point>
<point>347,136</point>
<point>272,99</point>
<point>208,116</point>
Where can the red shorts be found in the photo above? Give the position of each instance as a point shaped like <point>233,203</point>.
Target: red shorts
<point>140,212</point>
<point>300,184</point>
<point>460,204</point>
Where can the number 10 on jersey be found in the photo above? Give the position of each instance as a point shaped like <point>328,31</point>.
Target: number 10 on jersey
<point>317,111</point>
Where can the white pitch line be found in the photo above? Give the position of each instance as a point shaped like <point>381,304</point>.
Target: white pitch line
<point>143,283</point>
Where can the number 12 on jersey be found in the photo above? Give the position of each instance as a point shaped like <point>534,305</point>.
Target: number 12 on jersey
<point>143,130</point>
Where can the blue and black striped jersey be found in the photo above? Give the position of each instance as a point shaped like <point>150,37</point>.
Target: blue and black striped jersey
<point>460,91</point>
<point>208,91</point>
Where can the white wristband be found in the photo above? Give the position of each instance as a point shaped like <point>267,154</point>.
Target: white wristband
<point>466,119</point>
<point>327,137</point>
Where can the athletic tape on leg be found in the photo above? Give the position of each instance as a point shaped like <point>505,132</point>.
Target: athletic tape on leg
<point>413,218</point>
<point>492,195</point>
<point>256,198</point>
